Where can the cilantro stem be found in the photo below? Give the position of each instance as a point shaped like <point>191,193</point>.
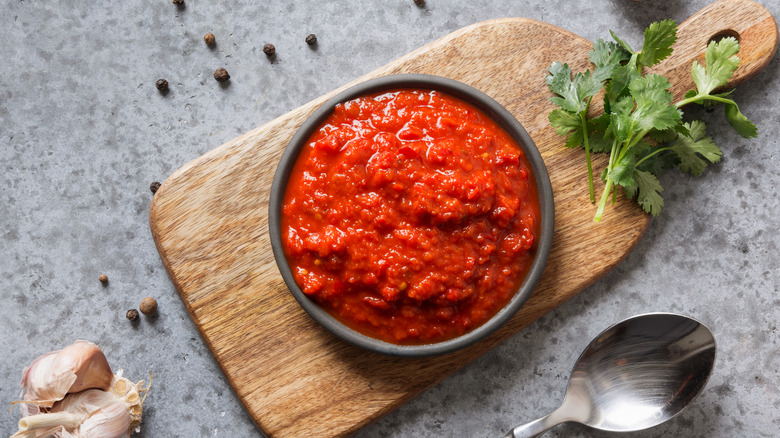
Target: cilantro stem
<point>634,61</point>
<point>614,197</point>
<point>655,152</point>
<point>632,141</point>
<point>619,151</point>
<point>603,200</point>
<point>608,182</point>
<point>700,97</point>
<point>613,155</point>
<point>587,153</point>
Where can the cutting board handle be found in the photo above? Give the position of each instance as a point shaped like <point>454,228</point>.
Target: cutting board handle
<point>752,24</point>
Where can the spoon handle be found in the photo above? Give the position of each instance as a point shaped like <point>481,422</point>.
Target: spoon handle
<point>536,427</point>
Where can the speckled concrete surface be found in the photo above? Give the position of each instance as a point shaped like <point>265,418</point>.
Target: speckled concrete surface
<point>83,132</point>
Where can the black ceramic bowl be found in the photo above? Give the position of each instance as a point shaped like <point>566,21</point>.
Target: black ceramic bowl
<point>504,119</point>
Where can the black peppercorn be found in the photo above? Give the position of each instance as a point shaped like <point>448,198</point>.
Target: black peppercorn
<point>209,39</point>
<point>269,49</point>
<point>311,39</point>
<point>178,2</point>
<point>154,186</point>
<point>161,84</point>
<point>221,75</point>
<point>419,2</point>
<point>132,314</point>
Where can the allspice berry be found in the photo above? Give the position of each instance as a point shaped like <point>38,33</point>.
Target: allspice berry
<point>161,84</point>
<point>311,39</point>
<point>221,75</point>
<point>132,314</point>
<point>148,306</point>
<point>103,279</point>
<point>269,49</point>
<point>154,186</point>
<point>209,39</point>
<point>419,2</point>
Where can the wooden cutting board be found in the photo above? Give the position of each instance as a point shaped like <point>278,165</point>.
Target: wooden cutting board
<point>209,221</point>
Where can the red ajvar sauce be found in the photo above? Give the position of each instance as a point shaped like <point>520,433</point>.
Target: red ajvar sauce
<point>410,216</point>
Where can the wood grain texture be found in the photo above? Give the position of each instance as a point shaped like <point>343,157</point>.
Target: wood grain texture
<point>209,222</point>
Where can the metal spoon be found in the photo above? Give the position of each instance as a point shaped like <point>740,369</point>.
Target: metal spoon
<point>636,374</point>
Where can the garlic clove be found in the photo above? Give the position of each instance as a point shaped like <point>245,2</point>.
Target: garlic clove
<point>90,366</point>
<point>104,414</point>
<point>34,388</point>
<point>51,376</point>
<point>110,421</point>
<point>50,424</point>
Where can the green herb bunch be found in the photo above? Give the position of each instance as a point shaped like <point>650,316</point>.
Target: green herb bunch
<point>641,128</point>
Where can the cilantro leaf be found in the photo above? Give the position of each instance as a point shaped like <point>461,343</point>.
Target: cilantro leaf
<point>649,192</point>
<point>682,129</point>
<point>659,38</point>
<point>630,191</point>
<point>720,62</point>
<point>651,89</point>
<point>644,147</point>
<point>606,56</point>
<point>663,136</point>
<point>567,123</point>
<point>571,125</point>
<point>739,122</point>
<point>560,76</point>
<point>622,124</point>
<point>654,109</point>
<point>669,134</point>
<point>622,172</point>
<point>617,86</point>
<point>601,134</point>
<point>571,92</point>
<point>561,84</point>
<point>622,43</point>
<point>564,121</point>
<point>697,150</point>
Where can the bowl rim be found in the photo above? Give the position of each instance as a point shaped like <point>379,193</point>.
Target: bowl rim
<point>498,114</point>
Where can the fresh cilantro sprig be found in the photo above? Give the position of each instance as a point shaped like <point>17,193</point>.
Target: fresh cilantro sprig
<point>720,63</point>
<point>641,128</point>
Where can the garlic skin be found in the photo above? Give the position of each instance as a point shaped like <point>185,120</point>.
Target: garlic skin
<point>75,368</point>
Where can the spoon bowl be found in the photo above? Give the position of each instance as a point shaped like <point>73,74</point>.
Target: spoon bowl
<point>636,374</point>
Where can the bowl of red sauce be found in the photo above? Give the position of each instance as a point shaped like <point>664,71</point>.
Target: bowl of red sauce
<point>411,215</point>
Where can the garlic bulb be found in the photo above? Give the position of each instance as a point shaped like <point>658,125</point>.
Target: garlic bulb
<point>102,411</point>
<point>75,368</point>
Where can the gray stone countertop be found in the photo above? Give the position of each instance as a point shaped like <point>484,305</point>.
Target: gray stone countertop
<point>83,133</point>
